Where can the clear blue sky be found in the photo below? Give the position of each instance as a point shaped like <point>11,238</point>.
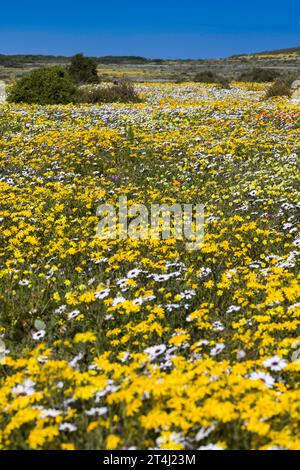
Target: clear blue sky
<point>165,28</point>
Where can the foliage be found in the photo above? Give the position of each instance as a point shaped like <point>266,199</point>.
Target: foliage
<point>83,69</point>
<point>259,75</point>
<point>209,76</point>
<point>119,92</point>
<point>278,88</point>
<point>51,85</point>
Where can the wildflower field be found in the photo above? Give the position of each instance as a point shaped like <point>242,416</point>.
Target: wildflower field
<point>141,343</point>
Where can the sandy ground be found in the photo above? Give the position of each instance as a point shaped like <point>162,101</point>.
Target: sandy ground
<point>2,91</point>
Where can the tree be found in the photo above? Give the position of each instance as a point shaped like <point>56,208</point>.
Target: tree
<point>49,85</point>
<point>83,69</point>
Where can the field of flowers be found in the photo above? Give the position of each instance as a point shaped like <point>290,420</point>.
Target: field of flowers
<point>143,344</point>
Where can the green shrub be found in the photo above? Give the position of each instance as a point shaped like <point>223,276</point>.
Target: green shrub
<point>83,69</point>
<point>278,89</point>
<point>52,85</point>
<point>259,75</point>
<point>180,78</point>
<point>207,76</point>
<point>120,92</point>
<point>288,77</point>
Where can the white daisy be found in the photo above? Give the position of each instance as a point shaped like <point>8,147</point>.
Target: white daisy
<point>102,294</point>
<point>73,314</point>
<point>67,427</point>
<point>155,351</point>
<point>266,378</point>
<point>97,411</point>
<point>275,363</point>
<point>38,335</point>
<point>133,273</point>
<point>217,349</point>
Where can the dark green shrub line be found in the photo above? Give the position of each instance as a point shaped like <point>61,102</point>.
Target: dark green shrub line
<point>258,75</point>
<point>60,85</point>
<point>208,76</point>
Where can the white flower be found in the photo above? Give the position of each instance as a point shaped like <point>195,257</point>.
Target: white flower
<point>203,342</point>
<point>141,300</point>
<point>118,300</point>
<point>275,363</point>
<point>24,282</point>
<point>217,349</point>
<point>155,351</point>
<point>3,350</point>
<point>97,411</point>
<point>240,354</point>
<point>67,427</point>
<point>75,359</point>
<point>204,272</point>
<point>210,447</point>
<point>161,277</point>
<point>266,378</point>
<point>218,326</point>
<point>125,356</point>
<point>296,242</point>
<point>233,308</point>
<point>123,283</point>
<point>202,433</point>
<point>50,413</point>
<point>164,277</point>
<point>101,260</point>
<point>60,309</point>
<point>26,388</point>
<point>102,294</point>
<point>38,335</point>
<point>73,314</point>
<point>170,307</point>
<point>188,294</point>
<point>133,273</point>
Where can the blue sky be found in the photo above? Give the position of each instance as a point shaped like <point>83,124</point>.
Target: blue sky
<point>165,28</point>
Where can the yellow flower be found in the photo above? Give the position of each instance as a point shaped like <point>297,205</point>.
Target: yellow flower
<point>113,442</point>
<point>87,337</point>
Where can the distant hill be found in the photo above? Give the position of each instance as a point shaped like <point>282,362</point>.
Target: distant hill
<point>289,51</point>
<point>24,60</point>
<point>30,59</point>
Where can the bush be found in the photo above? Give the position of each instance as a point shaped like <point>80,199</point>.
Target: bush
<point>120,92</point>
<point>278,89</point>
<point>51,85</point>
<point>259,75</point>
<point>83,69</point>
<point>208,76</point>
<point>288,77</point>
